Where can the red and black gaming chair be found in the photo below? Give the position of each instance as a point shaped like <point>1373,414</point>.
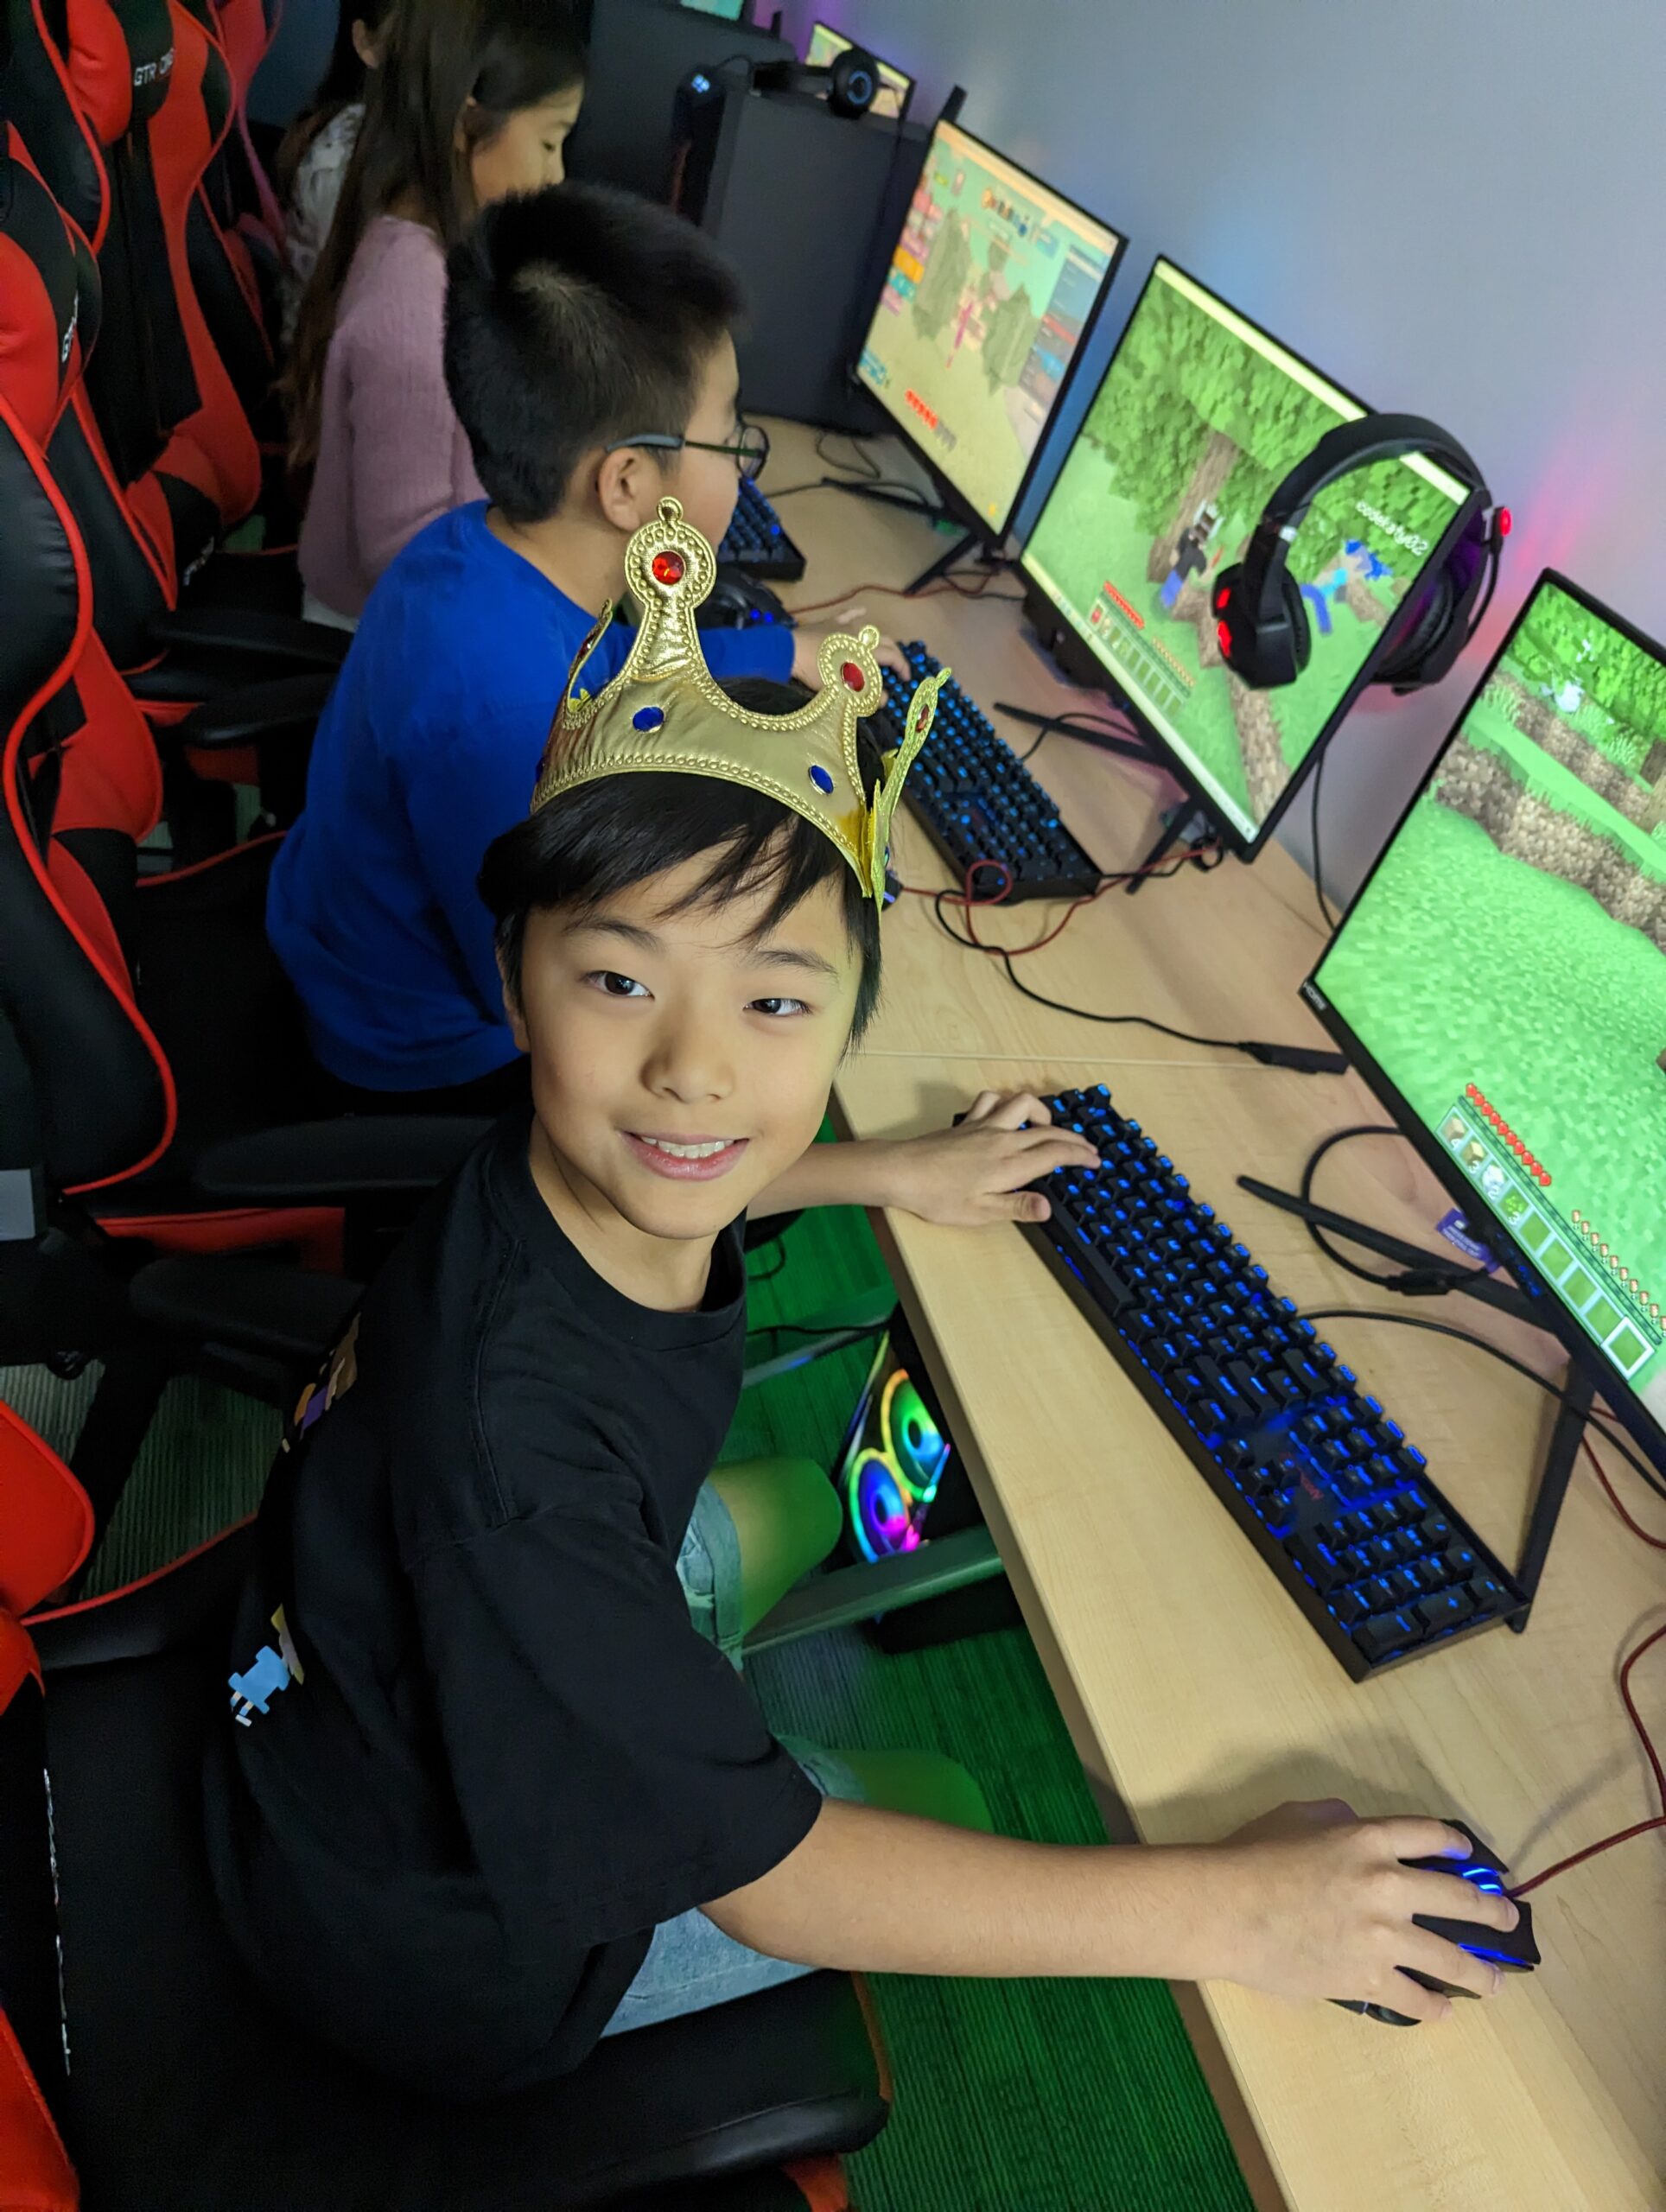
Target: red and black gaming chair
<point>133,2043</point>
<point>50,314</point>
<point>240,186</point>
<point>143,1019</point>
<point>145,80</point>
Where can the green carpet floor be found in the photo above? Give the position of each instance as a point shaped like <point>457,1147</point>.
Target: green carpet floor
<point>1010,2096</point>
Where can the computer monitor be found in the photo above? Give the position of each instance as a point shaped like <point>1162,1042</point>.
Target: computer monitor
<point>1199,416</point>
<point>896,89</point>
<point>640,51</point>
<point>733,11</point>
<point>993,287</point>
<point>1501,980</point>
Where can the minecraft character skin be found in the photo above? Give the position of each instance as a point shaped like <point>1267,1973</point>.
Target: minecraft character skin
<point>1190,560</point>
<point>1355,563</point>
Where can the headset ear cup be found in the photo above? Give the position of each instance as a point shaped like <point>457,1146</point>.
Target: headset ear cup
<point>1301,639</point>
<point>1404,665</point>
<point>1233,630</point>
<point>1261,655</point>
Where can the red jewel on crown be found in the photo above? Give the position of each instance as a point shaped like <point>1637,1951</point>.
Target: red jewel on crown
<point>668,567</point>
<point>853,675</point>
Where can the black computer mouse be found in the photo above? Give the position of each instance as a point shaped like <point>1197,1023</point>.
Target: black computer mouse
<point>738,601</point>
<point>1513,1950</point>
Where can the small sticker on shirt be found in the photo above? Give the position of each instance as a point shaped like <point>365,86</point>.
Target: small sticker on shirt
<point>318,1397</point>
<point>1455,1229</point>
<point>273,1670</point>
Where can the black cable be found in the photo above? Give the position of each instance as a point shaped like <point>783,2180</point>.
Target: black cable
<point>1412,1282</point>
<point>852,1337</point>
<point>1611,1430</point>
<point>768,1274</point>
<point>1326,915</point>
<point>1073,723</point>
<point>1300,1058</point>
<point>993,565</point>
<point>864,465</point>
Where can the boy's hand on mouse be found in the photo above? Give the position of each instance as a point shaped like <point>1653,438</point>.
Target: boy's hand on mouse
<point>1324,1909</point>
<point>975,1174</point>
<point>806,644</point>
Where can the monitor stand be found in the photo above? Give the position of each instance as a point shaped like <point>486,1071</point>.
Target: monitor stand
<point>1187,825</point>
<point>1571,1413</point>
<point>968,542</point>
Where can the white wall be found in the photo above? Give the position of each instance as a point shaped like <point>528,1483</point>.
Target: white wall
<point>1456,207</point>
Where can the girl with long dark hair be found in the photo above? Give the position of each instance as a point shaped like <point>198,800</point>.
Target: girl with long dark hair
<point>318,146</point>
<point>473,101</point>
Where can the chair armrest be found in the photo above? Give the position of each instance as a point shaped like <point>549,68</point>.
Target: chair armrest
<point>190,1603</point>
<point>331,1163</point>
<point>288,708</point>
<point>280,640</point>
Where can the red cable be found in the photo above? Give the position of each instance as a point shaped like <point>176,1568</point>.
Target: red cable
<point>1640,1828</point>
<point>1656,1543</point>
<point>968,905</point>
<point>1643,1827</point>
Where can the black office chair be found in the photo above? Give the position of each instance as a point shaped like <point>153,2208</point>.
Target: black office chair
<point>168,2082</point>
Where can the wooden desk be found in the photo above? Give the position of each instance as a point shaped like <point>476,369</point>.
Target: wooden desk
<point>1196,1694</point>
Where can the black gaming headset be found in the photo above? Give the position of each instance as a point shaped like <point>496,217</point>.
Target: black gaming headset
<point>1260,622</point>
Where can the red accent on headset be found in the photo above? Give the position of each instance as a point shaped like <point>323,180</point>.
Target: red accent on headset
<point>1506,522</point>
<point>1221,597</point>
<point>1223,639</point>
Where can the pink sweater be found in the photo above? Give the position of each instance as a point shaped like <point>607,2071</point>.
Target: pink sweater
<point>392,453</point>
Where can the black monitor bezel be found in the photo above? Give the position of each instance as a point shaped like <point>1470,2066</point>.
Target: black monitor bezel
<point>953,501</point>
<point>818,23</point>
<point>1627,1407</point>
<point>1247,848</point>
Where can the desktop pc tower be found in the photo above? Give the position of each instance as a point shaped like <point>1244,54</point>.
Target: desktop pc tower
<point>811,281</point>
<point>640,53</point>
<point>902,1484</point>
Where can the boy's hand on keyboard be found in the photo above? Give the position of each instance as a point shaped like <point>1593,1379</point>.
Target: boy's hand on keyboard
<point>1321,1905</point>
<point>975,1174</point>
<point>806,643</point>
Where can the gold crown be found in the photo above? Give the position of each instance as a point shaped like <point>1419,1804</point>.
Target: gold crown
<point>665,711</point>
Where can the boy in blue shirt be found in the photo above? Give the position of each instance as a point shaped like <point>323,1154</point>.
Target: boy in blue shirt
<point>589,357</point>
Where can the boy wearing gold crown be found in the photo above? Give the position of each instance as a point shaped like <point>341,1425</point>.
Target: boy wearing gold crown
<point>483,1795</point>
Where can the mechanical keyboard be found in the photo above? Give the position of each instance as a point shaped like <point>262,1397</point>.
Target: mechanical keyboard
<point>757,543</point>
<point>979,801</point>
<point>1323,1483</point>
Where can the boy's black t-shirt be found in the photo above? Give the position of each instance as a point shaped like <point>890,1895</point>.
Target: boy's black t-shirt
<point>477,1750</point>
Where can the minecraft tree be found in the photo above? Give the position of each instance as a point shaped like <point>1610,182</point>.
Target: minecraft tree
<point>1558,641</point>
<point>947,267</point>
<point>1195,417</point>
<point>1012,330</point>
<point>1192,416</point>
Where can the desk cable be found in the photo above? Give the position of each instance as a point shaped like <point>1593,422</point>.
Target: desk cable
<point>1612,1435</point>
<point>1300,1058</point>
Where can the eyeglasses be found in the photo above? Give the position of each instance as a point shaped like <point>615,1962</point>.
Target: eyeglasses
<point>749,449</point>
